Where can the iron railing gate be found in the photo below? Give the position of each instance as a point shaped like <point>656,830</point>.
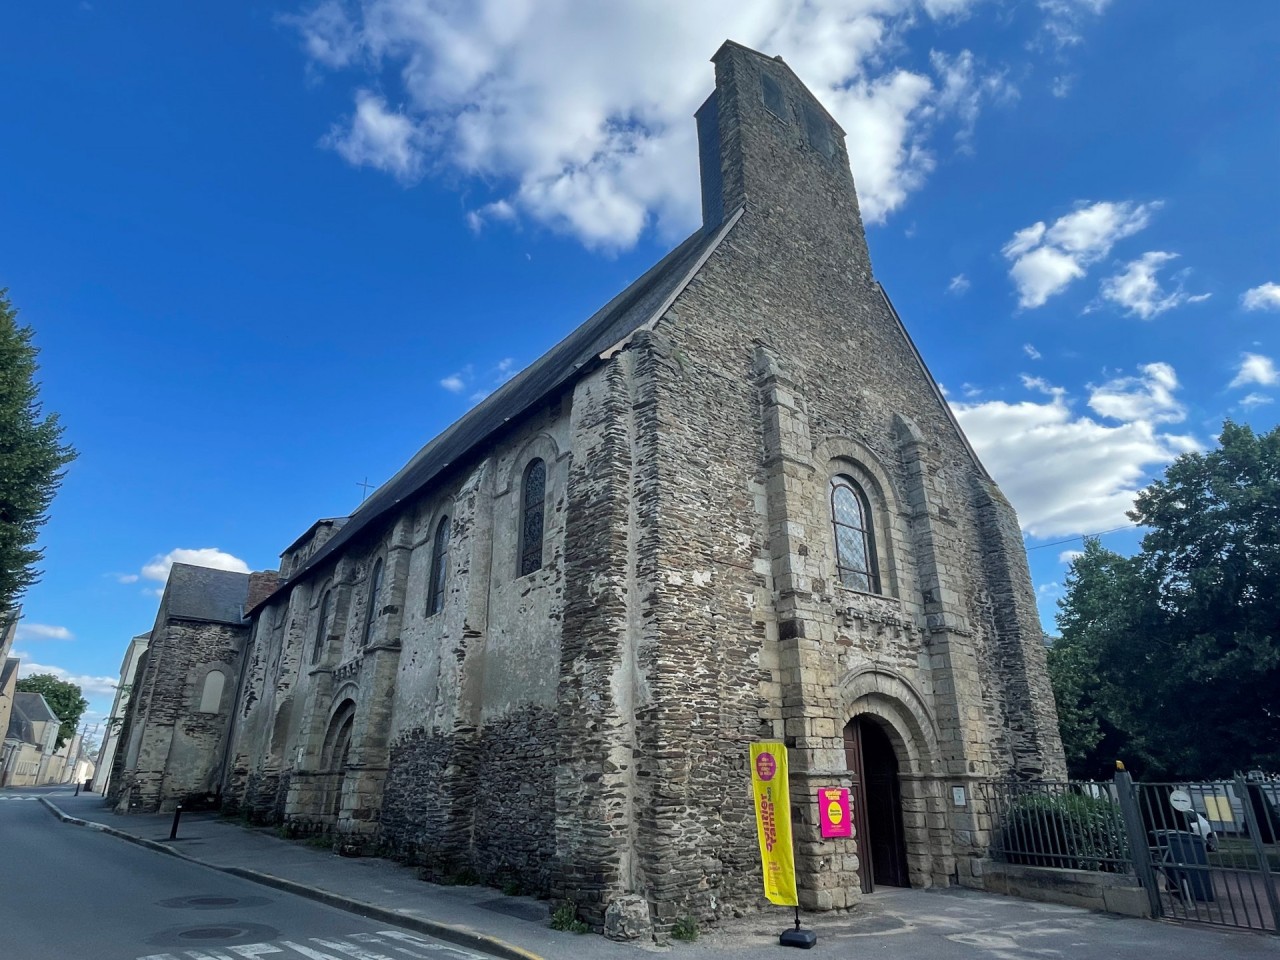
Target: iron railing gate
<point>1213,854</point>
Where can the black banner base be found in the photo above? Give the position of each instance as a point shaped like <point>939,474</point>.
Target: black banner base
<point>804,939</point>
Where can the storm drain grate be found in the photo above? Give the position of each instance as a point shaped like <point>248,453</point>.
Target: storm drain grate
<point>237,931</point>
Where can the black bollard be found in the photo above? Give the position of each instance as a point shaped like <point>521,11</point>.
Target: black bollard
<point>173,831</point>
<point>77,793</point>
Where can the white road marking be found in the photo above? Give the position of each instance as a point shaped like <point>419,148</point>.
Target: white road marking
<point>346,948</point>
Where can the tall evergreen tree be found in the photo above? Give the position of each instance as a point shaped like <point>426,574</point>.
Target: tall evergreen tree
<point>32,456</point>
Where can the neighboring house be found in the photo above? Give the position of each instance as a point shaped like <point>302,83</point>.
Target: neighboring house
<point>8,687</point>
<point>8,669</point>
<point>69,764</point>
<point>33,732</point>
<point>733,505</point>
<point>175,722</point>
<point>119,706</point>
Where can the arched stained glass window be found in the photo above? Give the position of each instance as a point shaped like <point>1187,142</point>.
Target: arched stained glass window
<point>855,542</point>
<point>375,592</point>
<point>532,516</point>
<point>439,568</point>
<point>322,627</point>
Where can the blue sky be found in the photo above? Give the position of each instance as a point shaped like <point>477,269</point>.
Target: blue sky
<point>269,249</point>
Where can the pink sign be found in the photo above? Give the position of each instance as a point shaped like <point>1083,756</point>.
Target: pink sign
<point>833,812</point>
<point>766,766</point>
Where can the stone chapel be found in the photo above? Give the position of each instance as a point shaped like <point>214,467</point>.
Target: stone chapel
<point>732,505</point>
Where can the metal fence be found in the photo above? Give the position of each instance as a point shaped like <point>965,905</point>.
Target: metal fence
<point>1206,852</point>
<point>1213,851</point>
<point>1076,825</point>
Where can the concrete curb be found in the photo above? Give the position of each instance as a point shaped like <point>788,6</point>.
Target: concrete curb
<point>463,936</point>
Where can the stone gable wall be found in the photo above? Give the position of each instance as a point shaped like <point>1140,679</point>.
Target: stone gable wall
<point>752,635</point>
<point>179,749</point>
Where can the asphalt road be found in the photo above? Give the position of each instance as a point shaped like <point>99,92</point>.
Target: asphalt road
<point>67,892</point>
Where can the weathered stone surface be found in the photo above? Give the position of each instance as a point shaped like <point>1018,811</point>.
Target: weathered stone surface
<point>627,918</point>
<point>176,725</point>
<point>582,729</point>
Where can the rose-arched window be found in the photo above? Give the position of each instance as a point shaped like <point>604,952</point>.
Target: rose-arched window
<point>439,567</point>
<point>375,593</point>
<point>322,626</point>
<point>532,516</point>
<point>855,540</point>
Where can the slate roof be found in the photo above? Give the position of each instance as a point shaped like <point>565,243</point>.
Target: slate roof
<point>640,304</point>
<point>7,671</point>
<point>336,521</point>
<point>33,707</point>
<point>202,593</point>
<point>19,728</point>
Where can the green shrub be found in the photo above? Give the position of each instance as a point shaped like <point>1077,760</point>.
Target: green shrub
<point>686,928</point>
<point>1068,830</point>
<point>565,917</point>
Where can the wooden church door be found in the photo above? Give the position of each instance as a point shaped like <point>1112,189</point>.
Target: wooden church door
<point>877,801</point>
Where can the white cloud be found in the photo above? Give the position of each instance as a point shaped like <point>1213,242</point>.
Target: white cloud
<point>1137,290</point>
<point>962,91</point>
<point>1047,258</point>
<point>566,114</point>
<point>1064,18</point>
<point>42,631</point>
<point>1263,297</point>
<point>327,35</point>
<point>1041,273</point>
<point>1147,397</point>
<point>1255,368</point>
<point>1061,85</point>
<point>126,578</point>
<point>380,138</point>
<point>1066,556</point>
<point>158,568</point>
<point>1041,385</point>
<point>481,385</point>
<point>506,369</point>
<point>1255,400</point>
<point>1031,351</point>
<point>1068,474</point>
<point>89,685</point>
<point>943,9</point>
<point>959,284</point>
<point>499,210</point>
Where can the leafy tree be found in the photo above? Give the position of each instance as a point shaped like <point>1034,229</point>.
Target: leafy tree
<point>64,700</point>
<point>1171,658</point>
<point>1100,613</point>
<point>31,458</point>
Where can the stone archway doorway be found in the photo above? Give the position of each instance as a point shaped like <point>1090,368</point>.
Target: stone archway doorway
<point>877,804</point>
<point>337,749</point>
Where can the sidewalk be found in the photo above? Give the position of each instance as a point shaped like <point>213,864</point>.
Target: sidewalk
<point>893,925</point>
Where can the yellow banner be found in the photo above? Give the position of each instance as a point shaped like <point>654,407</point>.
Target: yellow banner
<point>773,821</point>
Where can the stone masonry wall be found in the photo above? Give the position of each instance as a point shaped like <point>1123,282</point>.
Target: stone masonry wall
<point>180,748</point>
<point>794,276</point>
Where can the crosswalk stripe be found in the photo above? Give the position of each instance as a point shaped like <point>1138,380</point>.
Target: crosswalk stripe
<point>348,948</point>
